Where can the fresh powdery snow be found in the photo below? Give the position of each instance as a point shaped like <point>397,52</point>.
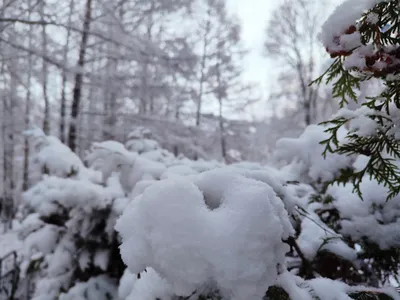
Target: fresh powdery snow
<point>96,288</point>
<point>372,217</point>
<point>111,156</point>
<point>323,288</point>
<point>195,228</point>
<point>54,156</point>
<point>227,230</point>
<point>316,236</point>
<point>340,20</point>
<point>303,156</point>
<point>149,287</point>
<point>9,242</point>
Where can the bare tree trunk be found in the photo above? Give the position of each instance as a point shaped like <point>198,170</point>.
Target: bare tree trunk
<point>3,127</point>
<point>220,102</point>
<point>222,130</point>
<point>145,97</point>
<point>91,123</point>
<point>111,97</point>
<point>46,120</point>
<point>202,70</point>
<point>63,104</point>
<point>3,147</point>
<point>307,112</point>
<point>8,140</point>
<point>25,179</point>
<point>77,92</point>
<point>11,154</point>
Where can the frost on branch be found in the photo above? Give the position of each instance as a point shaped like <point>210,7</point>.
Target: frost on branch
<point>228,231</point>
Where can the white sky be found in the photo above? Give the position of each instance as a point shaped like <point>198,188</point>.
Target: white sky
<point>254,15</point>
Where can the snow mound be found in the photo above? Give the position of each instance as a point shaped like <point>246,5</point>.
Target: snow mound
<point>221,227</point>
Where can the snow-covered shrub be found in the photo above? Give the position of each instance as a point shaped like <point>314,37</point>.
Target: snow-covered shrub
<point>371,223</point>
<point>112,157</point>
<point>96,288</point>
<point>52,157</point>
<point>202,230</point>
<point>340,235</point>
<point>68,235</point>
<point>224,234</point>
<point>223,228</point>
<point>304,160</point>
<point>140,140</point>
<point>363,37</point>
<point>73,235</point>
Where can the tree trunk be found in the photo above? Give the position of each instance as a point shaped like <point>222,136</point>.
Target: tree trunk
<point>25,179</point>
<point>63,104</point>
<point>222,130</point>
<point>307,112</point>
<point>77,92</point>
<point>220,102</point>
<point>46,120</point>
<point>202,71</point>
<point>9,154</point>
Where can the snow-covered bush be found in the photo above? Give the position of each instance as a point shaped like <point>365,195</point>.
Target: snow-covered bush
<point>196,231</point>
<point>112,157</point>
<point>224,234</point>
<point>96,288</point>
<point>371,223</point>
<point>216,226</point>
<point>341,235</point>
<point>139,222</point>
<point>363,37</point>
<point>202,230</point>
<point>304,160</point>
<point>140,140</point>
<point>52,157</point>
<point>68,234</point>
